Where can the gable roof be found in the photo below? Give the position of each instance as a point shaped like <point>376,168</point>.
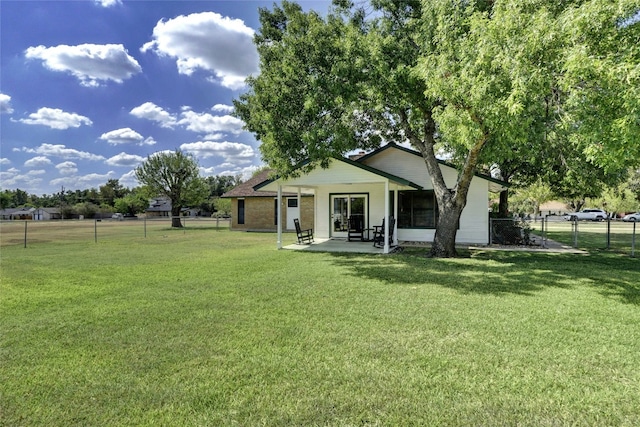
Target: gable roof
<point>246,189</point>
<point>442,162</point>
<point>358,165</point>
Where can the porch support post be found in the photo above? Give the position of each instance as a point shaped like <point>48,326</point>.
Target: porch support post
<point>279,212</point>
<point>395,215</point>
<point>300,203</point>
<point>386,216</point>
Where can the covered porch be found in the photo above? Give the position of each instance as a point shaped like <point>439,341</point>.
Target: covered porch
<point>346,188</point>
<point>336,245</point>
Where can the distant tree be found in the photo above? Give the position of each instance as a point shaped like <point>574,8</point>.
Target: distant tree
<point>222,206</point>
<point>131,204</point>
<point>220,184</point>
<point>20,197</point>
<point>174,175</point>
<point>618,199</point>
<point>634,183</point>
<point>86,209</point>
<point>529,199</point>
<point>5,199</point>
<point>111,191</point>
<point>67,211</point>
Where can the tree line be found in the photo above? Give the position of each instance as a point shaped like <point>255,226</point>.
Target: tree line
<point>114,197</point>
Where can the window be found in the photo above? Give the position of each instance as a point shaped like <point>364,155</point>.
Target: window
<point>292,203</point>
<point>417,209</point>
<point>275,211</point>
<point>240,211</point>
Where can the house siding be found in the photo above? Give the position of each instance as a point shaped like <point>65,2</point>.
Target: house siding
<point>475,216</point>
<point>259,213</point>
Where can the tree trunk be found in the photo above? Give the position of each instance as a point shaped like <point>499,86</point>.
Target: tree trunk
<point>451,201</point>
<point>503,207</point>
<point>444,242</point>
<point>175,216</point>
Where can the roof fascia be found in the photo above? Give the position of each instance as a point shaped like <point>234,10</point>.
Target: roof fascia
<point>357,165</point>
<point>442,162</point>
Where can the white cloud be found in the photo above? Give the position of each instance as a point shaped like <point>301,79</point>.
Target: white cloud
<point>245,173</point>
<point>223,108</point>
<point>207,171</point>
<point>92,64</point>
<point>12,178</point>
<point>207,123</point>
<point>108,3</point>
<point>151,111</point>
<point>213,127</point>
<point>124,159</point>
<point>5,104</point>
<point>229,151</point>
<point>62,151</point>
<point>56,119</point>
<point>83,181</point>
<point>210,42</point>
<point>37,161</point>
<point>122,136</point>
<point>129,179</point>
<point>67,168</point>
<point>4,161</point>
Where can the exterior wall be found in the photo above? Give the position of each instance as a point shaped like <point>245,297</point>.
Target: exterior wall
<point>259,213</point>
<point>323,200</point>
<point>474,221</point>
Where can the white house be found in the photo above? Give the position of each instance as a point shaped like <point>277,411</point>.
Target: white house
<point>45,214</point>
<point>392,180</point>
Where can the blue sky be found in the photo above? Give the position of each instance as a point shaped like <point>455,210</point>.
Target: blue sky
<point>88,89</point>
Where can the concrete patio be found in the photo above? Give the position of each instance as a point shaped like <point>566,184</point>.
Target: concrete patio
<point>344,246</point>
<point>336,245</point>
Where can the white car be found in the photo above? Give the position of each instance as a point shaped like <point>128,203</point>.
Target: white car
<point>632,217</point>
<point>587,214</point>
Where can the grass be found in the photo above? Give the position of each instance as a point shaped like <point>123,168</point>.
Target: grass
<point>208,327</point>
<point>593,235</point>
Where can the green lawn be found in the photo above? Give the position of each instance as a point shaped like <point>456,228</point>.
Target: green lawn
<point>209,327</point>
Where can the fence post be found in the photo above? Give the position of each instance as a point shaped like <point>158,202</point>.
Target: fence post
<point>95,230</point>
<point>25,234</point>
<point>575,233</point>
<point>608,233</point>
<point>633,240</point>
<point>145,227</point>
<point>490,230</point>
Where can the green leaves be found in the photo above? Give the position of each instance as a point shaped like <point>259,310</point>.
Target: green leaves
<point>174,175</point>
<point>488,82</point>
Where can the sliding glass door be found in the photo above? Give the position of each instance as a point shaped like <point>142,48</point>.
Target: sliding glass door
<point>344,206</point>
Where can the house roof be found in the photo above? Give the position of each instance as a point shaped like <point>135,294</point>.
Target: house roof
<point>247,188</point>
<point>375,172</point>
<point>50,210</point>
<point>500,184</point>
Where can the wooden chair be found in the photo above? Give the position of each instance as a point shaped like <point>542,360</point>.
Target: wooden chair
<point>378,233</point>
<point>304,236</point>
<point>356,228</point>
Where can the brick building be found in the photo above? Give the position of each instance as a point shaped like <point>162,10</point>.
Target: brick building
<point>257,210</point>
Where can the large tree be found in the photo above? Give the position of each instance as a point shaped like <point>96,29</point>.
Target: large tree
<point>472,78</point>
<point>174,175</point>
<point>111,191</point>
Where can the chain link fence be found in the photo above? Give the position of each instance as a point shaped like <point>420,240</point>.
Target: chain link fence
<point>613,235</point>
<point>27,233</point>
